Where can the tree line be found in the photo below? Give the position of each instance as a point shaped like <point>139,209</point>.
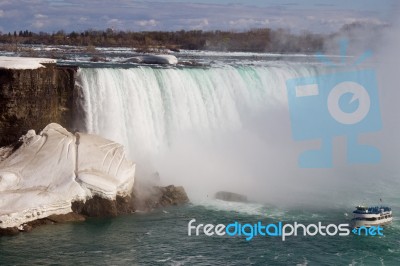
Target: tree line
<point>254,40</point>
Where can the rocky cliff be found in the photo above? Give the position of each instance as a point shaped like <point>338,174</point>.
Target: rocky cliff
<point>58,176</point>
<point>33,98</point>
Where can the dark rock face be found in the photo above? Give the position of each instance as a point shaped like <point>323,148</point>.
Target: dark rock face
<point>11,231</point>
<point>158,197</point>
<point>31,99</point>
<point>154,197</point>
<point>230,196</point>
<point>100,207</point>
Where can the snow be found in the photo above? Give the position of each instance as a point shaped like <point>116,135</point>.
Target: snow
<point>55,168</point>
<point>154,59</point>
<point>9,62</point>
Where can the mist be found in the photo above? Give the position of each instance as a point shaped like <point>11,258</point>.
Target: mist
<point>260,159</point>
<point>229,129</point>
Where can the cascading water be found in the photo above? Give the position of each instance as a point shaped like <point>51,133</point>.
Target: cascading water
<point>145,108</point>
<point>214,128</point>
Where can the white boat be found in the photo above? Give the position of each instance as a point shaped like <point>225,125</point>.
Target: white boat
<point>371,216</point>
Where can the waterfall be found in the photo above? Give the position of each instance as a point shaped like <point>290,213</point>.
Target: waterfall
<point>144,108</point>
<point>224,128</point>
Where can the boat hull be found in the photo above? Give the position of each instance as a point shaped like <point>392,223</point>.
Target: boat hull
<point>359,222</point>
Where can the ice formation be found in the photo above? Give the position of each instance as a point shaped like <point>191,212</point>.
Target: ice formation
<point>154,59</point>
<point>51,170</point>
<point>8,62</point>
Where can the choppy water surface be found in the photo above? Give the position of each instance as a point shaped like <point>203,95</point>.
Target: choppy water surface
<point>161,238</point>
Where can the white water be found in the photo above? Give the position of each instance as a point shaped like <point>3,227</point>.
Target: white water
<point>146,108</point>
<point>212,129</point>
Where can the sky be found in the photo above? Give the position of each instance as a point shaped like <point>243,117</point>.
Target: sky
<point>323,16</point>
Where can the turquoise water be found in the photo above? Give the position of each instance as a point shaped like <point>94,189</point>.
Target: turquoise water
<point>160,238</point>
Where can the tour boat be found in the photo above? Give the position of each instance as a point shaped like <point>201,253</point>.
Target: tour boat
<point>371,216</point>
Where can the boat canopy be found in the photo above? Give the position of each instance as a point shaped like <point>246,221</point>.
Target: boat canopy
<point>372,210</point>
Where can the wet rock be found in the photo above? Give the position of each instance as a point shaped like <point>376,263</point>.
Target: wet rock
<point>172,195</point>
<point>154,197</point>
<point>37,223</point>
<point>159,197</point>
<point>101,207</point>
<point>27,227</point>
<point>124,205</point>
<point>230,196</point>
<point>66,218</point>
<point>10,231</point>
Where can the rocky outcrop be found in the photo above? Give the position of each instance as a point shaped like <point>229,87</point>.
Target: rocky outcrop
<point>158,197</point>
<point>154,197</point>
<point>33,98</point>
<point>9,231</point>
<point>230,196</point>
<point>50,170</point>
<point>101,207</point>
<point>57,176</point>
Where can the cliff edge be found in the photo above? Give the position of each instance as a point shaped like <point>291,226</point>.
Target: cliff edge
<point>33,93</point>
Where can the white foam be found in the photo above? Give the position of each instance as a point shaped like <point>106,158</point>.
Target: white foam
<point>256,209</point>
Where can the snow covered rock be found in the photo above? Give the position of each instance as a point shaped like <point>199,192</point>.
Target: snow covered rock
<point>154,59</point>
<point>51,170</point>
<point>8,62</point>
